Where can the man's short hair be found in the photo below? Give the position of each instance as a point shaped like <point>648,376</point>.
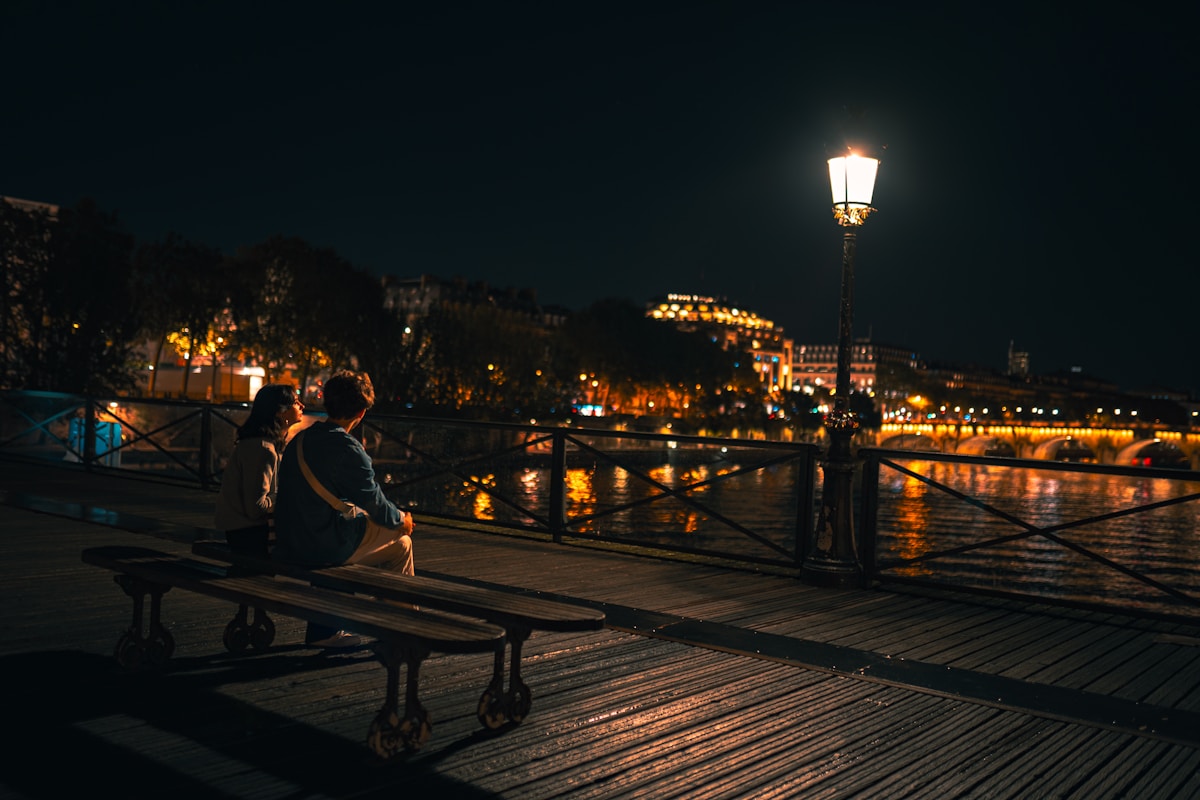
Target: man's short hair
<point>347,393</point>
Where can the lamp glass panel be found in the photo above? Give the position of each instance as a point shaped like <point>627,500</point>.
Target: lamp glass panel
<point>852,179</point>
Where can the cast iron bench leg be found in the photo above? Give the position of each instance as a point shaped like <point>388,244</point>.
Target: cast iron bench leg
<point>497,706</point>
<point>492,711</point>
<point>390,733</point>
<point>241,633</point>
<point>518,699</point>
<point>136,649</point>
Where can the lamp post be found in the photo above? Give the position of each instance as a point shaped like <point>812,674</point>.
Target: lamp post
<point>833,558</point>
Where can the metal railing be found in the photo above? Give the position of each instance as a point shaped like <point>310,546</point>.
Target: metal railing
<point>172,440</point>
<point>749,501</point>
<point>1086,535</point>
<point>1110,537</point>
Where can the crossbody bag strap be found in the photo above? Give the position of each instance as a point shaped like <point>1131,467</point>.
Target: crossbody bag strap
<point>340,506</point>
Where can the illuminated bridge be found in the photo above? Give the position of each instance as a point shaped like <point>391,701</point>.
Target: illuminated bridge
<point>1096,445</point>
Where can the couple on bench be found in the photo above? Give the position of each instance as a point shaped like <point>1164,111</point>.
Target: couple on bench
<point>319,491</point>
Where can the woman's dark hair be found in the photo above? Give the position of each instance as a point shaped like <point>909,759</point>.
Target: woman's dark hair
<point>265,419</point>
<point>347,393</point>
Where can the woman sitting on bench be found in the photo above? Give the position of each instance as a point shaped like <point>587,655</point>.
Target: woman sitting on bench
<point>246,502</point>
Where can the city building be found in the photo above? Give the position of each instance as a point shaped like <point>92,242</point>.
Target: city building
<point>736,329</point>
<point>877,370</point>
<point>31,205</point>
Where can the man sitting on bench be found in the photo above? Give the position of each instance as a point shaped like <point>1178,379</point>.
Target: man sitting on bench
<point>330,510</point>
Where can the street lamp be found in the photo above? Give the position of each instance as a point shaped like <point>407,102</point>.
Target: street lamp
<point>833,558</point>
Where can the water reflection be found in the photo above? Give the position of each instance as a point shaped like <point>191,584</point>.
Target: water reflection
<point>580,492</point>
<point>482,501</point>
<point>913,512</point>
<point>689,498</point>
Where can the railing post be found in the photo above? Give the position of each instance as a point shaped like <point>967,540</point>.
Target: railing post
<point>206,447</point>
<point>558,486</point>
<point>806,490</point>
<point>89,431</point>
<point>868,511</point>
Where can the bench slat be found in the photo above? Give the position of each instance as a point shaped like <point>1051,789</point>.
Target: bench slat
<point>321,605</point>
<point>501,607</point>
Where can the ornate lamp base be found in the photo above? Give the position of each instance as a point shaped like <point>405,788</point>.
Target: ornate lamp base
<point>817,571</point>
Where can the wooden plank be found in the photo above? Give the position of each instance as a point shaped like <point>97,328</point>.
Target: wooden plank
<point>1139,681</point>
<point>934,636</point>
<point>1176,765</point>
<point>506,608</point>
<point>887,767</point>
<point>1071,652</point>
<point>1119,774</point>
<point>1181,686</point>
<point>996,651</point>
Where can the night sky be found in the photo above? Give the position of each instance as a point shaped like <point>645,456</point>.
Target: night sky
<point>1037,185</point>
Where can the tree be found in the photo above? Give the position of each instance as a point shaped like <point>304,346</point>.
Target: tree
<point>70,313</point>
<point>185,290</point>
<point>398,358</point>
<point>25,254</point>
<point>636,360</point>
<point>306,308</point>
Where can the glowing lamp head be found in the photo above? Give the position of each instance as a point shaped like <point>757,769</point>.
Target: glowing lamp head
<point>852,179</point>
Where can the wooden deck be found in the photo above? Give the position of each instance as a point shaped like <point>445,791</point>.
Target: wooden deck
<point>709,682</point>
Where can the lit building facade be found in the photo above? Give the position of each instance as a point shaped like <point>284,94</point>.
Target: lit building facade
<point>736,329</point>
<point>49,209</point>
<point>871,366</point>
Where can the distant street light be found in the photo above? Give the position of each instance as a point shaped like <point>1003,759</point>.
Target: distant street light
<point>833,558</point>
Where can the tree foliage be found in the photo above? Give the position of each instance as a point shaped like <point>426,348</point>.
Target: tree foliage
<point>306,307</point>
<point>479,356</point>
<point>189,284</point>
<point>636,360</point>
<point>25,250</point>
<point>71,316</point>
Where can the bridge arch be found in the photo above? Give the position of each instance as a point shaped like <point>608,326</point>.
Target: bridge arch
<point>986,446</point>
<point>910,441</point>
<point>1154,453</point>
<point>1065,448</point>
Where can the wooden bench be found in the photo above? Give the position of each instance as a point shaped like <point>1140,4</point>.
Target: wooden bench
<point>519,614</point>
<point>403,636</point>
